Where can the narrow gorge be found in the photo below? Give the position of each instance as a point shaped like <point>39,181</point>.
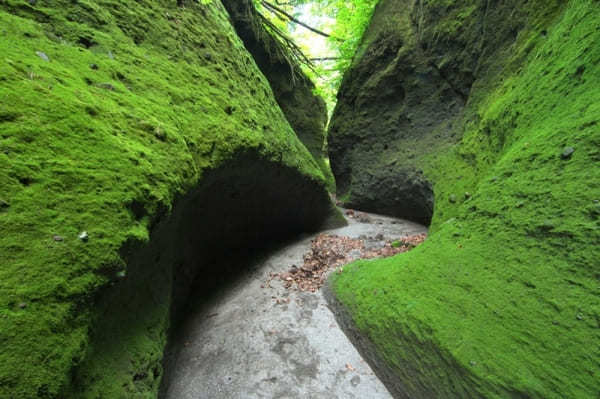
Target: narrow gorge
<point>168,172</point>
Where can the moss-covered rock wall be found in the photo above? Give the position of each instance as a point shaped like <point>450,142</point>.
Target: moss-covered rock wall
<point>294,91</point>
<point>138,141</point>
<point>490,111</point>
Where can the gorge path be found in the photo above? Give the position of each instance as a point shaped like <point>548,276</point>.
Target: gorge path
<point>256,340</point>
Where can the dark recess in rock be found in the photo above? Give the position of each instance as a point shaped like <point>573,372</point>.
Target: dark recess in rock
<point>197,244</point>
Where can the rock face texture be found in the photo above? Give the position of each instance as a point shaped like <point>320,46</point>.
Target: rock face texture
<point>305,111</point>
<point>149,127</point>
<point>400,101</point>
<point>490,111</point>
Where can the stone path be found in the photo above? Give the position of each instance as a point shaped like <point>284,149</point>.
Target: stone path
<point>242,343</point>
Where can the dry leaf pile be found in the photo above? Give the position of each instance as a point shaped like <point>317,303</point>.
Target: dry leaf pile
<point>331,251</point>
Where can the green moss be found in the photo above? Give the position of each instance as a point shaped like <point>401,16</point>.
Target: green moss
<point>136,101</point>
<point>503,299</point>
<point>294,91</point>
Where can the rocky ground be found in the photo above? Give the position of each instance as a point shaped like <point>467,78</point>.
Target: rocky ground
<point>270,333</point>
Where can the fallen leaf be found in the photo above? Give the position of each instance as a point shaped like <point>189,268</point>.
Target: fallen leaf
<point>331,252</point>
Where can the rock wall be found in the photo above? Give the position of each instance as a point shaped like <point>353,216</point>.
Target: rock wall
<point>148,126</point>
<point>294,91</point>
<point>405,93</point>
<point>483,117</point>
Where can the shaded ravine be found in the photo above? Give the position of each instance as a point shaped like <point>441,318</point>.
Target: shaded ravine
<point>242,343</point>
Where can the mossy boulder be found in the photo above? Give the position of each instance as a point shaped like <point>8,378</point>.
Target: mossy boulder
<point>148,126</point>
<point>497,105</point>
<point>294,91</point>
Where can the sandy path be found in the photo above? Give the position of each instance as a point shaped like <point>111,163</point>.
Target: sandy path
<point>242,344</point>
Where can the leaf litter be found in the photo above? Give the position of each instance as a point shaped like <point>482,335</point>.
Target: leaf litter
<point>330,252</point>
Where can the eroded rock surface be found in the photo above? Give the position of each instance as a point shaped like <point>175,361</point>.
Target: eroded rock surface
<point>403,97</point>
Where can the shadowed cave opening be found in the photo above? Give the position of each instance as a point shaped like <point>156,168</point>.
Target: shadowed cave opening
<point>244,206</point>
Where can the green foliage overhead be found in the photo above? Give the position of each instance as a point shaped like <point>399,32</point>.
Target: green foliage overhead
<point>344,21</point>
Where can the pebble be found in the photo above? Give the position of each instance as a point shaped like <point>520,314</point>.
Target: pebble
<point>83,236</point>
<point>58,238</point>
<point>567,153</point>
<point>22,305</point>
<point>42,55</point>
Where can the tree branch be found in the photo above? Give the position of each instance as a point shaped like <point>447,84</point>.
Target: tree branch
<point>295,51</point>
<point>325,59</point>
<point>276,10</point>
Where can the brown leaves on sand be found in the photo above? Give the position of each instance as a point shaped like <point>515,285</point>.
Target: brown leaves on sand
<point>331,251</point>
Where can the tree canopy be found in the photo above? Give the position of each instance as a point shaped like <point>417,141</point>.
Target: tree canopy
<point>327,31</point>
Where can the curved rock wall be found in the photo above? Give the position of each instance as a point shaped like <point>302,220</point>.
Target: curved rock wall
<point>403,97</point>
<point>116,119</point>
